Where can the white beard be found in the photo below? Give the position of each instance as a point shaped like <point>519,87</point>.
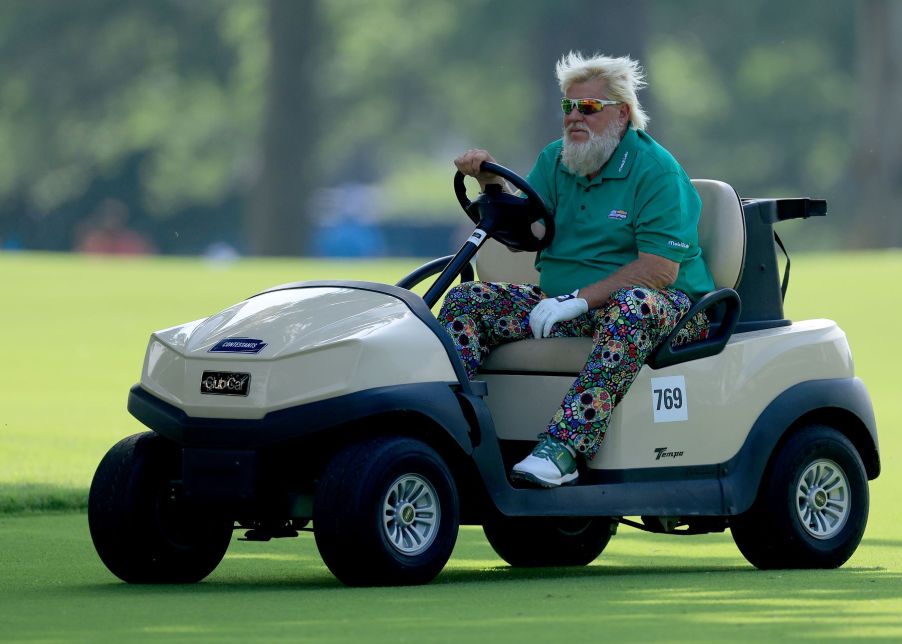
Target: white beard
<point>582,159</point>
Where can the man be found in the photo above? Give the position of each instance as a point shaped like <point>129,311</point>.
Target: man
<point>624,265</point>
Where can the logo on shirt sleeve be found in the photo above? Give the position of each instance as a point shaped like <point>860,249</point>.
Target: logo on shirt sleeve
<point>678,244</point>
<point>619,215</point>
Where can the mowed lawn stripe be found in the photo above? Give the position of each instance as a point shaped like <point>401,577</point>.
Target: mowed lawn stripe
<point>644,588</point>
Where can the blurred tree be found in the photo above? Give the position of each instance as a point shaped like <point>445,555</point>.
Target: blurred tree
<point>161,76</point>
<point>760,94</point>
<point>426,81</point>
<point>876,169</point>
<point>419,82</point>
<point>88,87</point>
<point>279,220</point>
<point>192,111</point>
<point>755,93</point>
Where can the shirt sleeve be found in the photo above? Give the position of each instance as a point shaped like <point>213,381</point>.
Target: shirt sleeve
<point>667,216</point>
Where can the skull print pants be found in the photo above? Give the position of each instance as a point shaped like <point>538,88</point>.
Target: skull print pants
<point>481,315</point>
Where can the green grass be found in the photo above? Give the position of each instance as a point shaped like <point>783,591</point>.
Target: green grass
<point>74,330</point>
<point>644,588</point>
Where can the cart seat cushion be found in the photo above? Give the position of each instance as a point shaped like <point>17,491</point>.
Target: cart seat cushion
<point>550,355</point>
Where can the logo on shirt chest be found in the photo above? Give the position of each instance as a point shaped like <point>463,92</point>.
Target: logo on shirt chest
<point>618,215</point>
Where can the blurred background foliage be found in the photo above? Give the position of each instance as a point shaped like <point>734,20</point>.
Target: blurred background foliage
<point>265,125</point>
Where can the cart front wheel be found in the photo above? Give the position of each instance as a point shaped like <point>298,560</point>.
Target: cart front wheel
<point>386,513</point>
<point>140,528</point>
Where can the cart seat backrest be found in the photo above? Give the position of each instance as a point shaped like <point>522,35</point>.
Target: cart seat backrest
<point>721,235</point>
<point>721,231</point>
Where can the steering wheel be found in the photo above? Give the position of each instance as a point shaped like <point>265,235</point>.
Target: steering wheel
<point>506,217</point>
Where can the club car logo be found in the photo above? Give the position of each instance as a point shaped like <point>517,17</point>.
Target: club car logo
<point>238,345</point>
<point>225,383</point>
<point>663,453</point>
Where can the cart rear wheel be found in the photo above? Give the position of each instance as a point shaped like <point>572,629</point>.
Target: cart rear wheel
<point>548,541</point>
<point>812,507</point>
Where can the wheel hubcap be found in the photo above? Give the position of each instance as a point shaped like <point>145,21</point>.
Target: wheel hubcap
<point>822,499</point>
<point>411,514</point>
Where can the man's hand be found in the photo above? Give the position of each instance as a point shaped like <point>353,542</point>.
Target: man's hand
<point>552,310</point>
<point>470,161</point>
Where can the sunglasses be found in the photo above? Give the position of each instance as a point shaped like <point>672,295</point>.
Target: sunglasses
<point>586,105</point>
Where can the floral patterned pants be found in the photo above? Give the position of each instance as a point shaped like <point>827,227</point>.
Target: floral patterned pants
<point>481,315</point>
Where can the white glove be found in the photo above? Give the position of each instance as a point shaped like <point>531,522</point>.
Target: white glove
<point>552,310</point>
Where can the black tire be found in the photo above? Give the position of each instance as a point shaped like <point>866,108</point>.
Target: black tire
<point>532,542</point>
<point>362,542</point>
<point>143,534</point>
<point>787,528</point>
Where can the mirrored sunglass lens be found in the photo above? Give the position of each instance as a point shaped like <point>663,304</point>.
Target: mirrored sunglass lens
<point>589,106</point>
<point>566,105</point>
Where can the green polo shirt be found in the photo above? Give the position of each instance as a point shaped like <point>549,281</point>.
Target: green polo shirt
<point>641,200</point>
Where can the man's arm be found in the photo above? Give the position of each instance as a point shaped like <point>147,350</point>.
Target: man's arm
<point>647,270</point>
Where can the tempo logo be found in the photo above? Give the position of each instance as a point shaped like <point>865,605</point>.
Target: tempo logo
<point>663,453</point>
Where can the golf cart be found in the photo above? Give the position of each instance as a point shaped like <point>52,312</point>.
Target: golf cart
<point>344,403</point>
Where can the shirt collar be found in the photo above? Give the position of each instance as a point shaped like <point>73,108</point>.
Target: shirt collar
<point>618,166</point>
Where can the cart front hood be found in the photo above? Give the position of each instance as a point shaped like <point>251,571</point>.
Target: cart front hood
<point>277,324</point>
<point>297,345</point>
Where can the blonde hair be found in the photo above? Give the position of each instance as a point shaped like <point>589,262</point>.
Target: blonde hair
<point>623,76</point>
